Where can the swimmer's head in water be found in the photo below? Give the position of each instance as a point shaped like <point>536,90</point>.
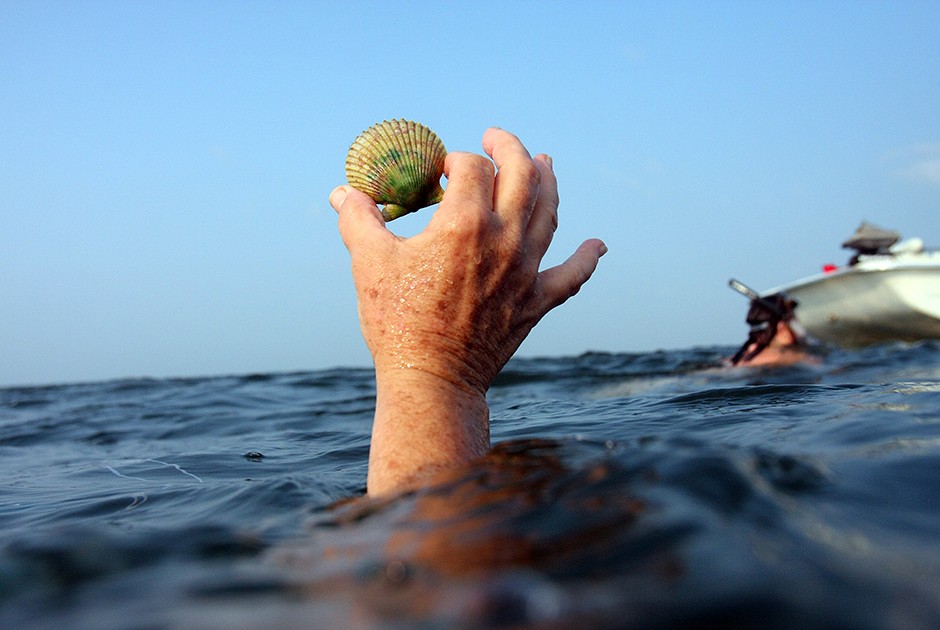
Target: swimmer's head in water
<point>399,163</point>
<point>763,317</point>
<point>771,309</point>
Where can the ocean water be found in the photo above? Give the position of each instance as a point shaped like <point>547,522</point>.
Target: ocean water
<point>623,491</point>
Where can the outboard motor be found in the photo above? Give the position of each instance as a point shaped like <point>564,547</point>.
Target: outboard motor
<point>870,240</point>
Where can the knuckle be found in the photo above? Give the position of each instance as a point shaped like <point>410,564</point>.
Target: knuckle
<point>471,165</point>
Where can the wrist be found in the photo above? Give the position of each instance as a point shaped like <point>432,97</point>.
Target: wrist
<point>430,401</point>
<point>436,361</point>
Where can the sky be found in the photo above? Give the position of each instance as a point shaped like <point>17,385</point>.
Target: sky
<point>165,166</point>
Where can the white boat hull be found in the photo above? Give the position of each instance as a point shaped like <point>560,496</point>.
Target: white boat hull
<point>880,299</point>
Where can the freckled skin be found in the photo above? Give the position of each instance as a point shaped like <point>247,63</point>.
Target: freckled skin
<point>443,311</point>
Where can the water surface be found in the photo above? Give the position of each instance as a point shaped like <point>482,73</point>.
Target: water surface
<point>624,490</point>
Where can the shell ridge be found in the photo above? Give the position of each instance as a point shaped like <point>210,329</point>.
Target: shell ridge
<point>409,142</point>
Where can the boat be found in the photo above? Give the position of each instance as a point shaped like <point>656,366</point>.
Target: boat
<point>888,291</point>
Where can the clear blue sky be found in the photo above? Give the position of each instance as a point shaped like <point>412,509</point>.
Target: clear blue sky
<point>165,166</point>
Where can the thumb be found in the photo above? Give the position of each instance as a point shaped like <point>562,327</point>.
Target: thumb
<point>359,217</point>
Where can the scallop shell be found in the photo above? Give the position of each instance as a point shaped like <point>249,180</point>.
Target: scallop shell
<point>399,163</point>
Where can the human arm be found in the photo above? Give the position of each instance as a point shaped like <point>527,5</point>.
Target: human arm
<point>443,311</point>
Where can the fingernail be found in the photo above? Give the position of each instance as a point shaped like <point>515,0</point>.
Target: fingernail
<point>548,160</point>
<point>603,249</point>
<point>337,197</point>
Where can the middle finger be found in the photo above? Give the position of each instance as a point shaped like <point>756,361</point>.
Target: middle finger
<point>517,178</point>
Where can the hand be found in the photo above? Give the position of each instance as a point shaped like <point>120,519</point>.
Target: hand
<point>457,300</point>
<point>442,312</point>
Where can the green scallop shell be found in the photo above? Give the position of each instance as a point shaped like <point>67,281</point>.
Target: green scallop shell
<point>399,163</point>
